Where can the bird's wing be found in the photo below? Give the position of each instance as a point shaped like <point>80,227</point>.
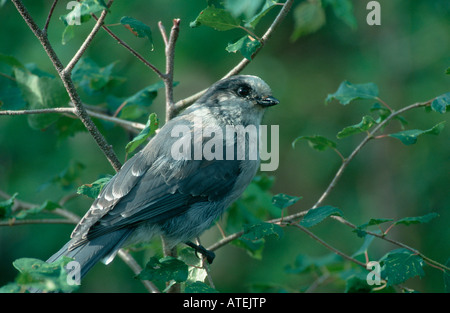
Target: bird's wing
<point>149,189</point>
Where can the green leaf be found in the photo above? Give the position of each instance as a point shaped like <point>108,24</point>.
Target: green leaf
<point>199,287</point>
<point>11,61</point>
<point>82,13</point>
<point>150,128</point>
<point>68,34</point>
<point>247,8</point>
<point>366,123</point>
<point>91,77</point>
<point>6,207</point>
<point>317,142</point>
<point>262,230</point>
<point>41,93</point>
<point>441,103</point>
<point>138,28</point>
<point>42,275</point>
<point>400,265</point>
<point>253,248</point>
<point>196,270</point>
<point>247,46</point>
<point>94,189</point>
<point>67,177</point>
<point>343,9</point>
<point>317,215</point>
<point>364,247</point>
<point>165,269</point>
<point>309,17</point>
<point>268,5</point>
<point>409,137</point>
<point>348,92</point>
<point>417,220</point>
<point>283,201</point>
<point>375,221</point>
<point>355,284</point>
<point>447,71</point>
<point>217,18</point>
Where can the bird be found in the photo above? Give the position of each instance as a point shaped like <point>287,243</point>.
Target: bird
<point>155,194</point>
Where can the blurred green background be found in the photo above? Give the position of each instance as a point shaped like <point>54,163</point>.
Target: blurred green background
<point>406,56</point>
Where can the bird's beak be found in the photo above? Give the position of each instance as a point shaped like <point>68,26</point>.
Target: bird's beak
<point>268,101</point>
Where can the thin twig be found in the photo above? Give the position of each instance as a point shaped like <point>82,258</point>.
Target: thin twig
<point>68,69</point>
<point>44,30</point>
<point>134,52</point>
<point>134,126</point>
<point>319,240</point>
<point>184,103</point>
<point>170,58</point>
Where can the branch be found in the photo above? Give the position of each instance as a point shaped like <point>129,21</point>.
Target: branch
<point>44,30</point>
<point>70,87</point>
<point>68,69</point>
<point>134,52</point>
<point>133,126</point>
<point>170,57</point>
<point>182,104</point>
<point>326,245</point>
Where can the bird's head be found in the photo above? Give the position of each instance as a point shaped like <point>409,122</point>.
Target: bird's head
<point>241,98</point>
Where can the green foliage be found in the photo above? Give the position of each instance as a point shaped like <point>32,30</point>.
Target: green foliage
<point>309,17</point>
<point>46,277</point>
<point>41,92</point>
<point>246,46</point>
<point>366,123</point>
<point>441,103</point>
<point>138,28</point>
<point>94,189</point>
<point>348,92</point>
<point>148,131</point>
<point>317,215</point>
<point>316,142</point>
<point>283,201</point>
<point>409,137</point>
<point>400,265</point>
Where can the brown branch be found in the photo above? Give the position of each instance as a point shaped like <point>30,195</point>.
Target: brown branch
<point>170,58</point>
<point>68,69</point>
<point>134,52</point>
<point>132,126</point>
<point>44,30</point>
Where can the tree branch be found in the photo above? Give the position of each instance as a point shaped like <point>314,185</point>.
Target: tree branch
<point>44,30</point>
<point>133,126</point>
<point>170,58</point>
<point>184,103</point>
<point>134,52</point>
<point>68,69</point>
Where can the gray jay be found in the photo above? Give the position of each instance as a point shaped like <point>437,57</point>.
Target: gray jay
<point>155,194</point>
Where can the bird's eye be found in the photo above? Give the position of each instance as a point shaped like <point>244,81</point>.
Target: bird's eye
<point>243,91</point>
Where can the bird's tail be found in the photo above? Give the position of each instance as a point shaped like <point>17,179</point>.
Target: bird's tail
<point>87,255</point>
